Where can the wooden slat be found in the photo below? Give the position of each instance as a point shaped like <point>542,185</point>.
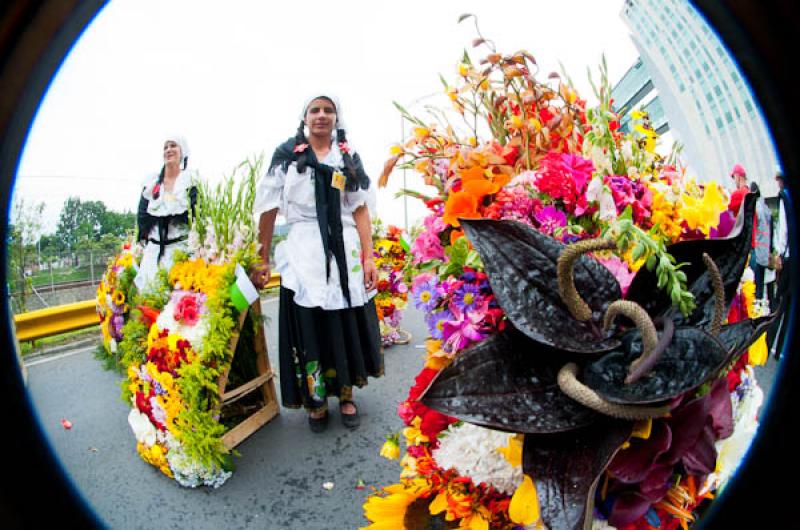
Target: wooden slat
<point>239,433</point>
<point>243,390</point>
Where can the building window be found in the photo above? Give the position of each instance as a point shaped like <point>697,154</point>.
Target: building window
<point>748,106</point>
<point>736,110</point>
<point>728,117</point>
<point>682,87</point>
<point>717,91</point>
<point>719,123</point>
<point>708,97</point>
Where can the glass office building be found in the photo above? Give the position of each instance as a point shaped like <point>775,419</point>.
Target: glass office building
<point>701,96</point>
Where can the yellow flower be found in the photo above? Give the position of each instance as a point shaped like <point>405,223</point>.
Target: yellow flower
<point>703,213</point>
<point>118,297</point>
<point>396,149</point>
<point>413,434</point>
<point>391,511</point>
<point>524,506</point>
<point>513,452</point>
<point>126,260</point>
<point>155,455</point>
<point>391,448</point>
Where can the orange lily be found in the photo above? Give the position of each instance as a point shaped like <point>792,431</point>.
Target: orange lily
<point>460,204</point>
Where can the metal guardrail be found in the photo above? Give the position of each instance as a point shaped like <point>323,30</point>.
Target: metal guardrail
<point>54,320</point>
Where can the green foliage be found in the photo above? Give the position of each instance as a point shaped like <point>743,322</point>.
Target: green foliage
<point>646,246</point>
<point>134,341</point>
<point>459,256</point>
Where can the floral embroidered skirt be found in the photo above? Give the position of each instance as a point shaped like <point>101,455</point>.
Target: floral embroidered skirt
<point>325,353</point>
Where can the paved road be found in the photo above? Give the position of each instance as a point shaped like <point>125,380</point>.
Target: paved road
<point>279,475</point>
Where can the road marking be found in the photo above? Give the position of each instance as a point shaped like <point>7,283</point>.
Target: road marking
<point>57,357</point>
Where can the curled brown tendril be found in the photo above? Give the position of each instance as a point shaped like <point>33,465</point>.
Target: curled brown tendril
<point>719,294</point>
<point>652,347</point>
<point>569,384</point>
<point>577,307</point>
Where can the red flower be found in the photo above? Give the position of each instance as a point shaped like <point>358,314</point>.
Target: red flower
<point>299,148</point>
<point>344,148</point>
<point>156,190</point>
<point>149,315</point>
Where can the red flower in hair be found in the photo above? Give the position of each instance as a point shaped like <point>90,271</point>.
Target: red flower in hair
<point>299,148</point>
<point>344,148</point>
<point>156,190</point>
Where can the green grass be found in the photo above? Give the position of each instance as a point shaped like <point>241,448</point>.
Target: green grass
<point>43,278</point>
<point>28,347</point>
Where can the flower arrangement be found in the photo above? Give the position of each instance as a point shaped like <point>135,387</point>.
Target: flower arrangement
<point>175,339</point>
<point>555,205</point>
<point>113,294</point>
<point>390,260</point>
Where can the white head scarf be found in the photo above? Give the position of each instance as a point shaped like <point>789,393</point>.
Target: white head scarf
<point>181,141</point>
<point>321,94</point>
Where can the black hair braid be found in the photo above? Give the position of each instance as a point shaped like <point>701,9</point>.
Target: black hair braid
<point>159,182</point>
<point>347,158</point>
<point>300,138</point>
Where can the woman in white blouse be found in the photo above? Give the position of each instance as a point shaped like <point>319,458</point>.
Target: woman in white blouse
<point>163,214</point>
<point>329,337</point>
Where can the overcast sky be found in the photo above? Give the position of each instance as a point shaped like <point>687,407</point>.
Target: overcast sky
<point>233,82</point>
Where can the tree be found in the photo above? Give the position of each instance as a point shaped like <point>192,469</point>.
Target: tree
<point>80,221</point>
<point>22,235</point>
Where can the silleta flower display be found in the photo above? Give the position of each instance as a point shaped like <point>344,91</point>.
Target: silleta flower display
<point>583,369</point>
<point>392,298</point>
<point>173,340</point>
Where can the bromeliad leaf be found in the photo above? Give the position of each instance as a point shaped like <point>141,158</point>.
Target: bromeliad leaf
<point>567,467</point>
<point>507,382</point>
<point>730,254</point>
<point>521,265</point>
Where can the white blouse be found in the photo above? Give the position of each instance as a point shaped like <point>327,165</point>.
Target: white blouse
<point>173,202</point>
<point>300,259</point>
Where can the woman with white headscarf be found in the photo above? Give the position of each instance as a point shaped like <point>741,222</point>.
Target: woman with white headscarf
<point>163,214</point>
<point>329,337</point>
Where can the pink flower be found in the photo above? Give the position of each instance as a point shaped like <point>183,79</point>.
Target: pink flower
<point>187,310</point>
<point>465,329</point>
<point>620,271</point>
<point>299,148</point>
<point>344,148</point>
<point>427,247</point>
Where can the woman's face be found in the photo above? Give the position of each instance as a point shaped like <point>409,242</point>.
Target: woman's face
<point>172,152</point>
<point>321,117</point>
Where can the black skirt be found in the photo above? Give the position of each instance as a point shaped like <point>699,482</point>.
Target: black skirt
<point>325,353</point>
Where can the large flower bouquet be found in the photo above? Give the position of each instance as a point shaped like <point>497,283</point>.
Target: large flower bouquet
<point>113,295</point>
<point>392,298</point>
<point>539,405</point>
<point>176,339</point>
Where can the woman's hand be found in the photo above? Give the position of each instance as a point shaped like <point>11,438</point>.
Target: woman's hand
<point>260,274</point>
<point>370,274</point>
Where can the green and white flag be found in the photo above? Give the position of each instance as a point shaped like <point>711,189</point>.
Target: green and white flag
<point>243,292</point>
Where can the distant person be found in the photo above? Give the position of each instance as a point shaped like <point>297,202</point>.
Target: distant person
<point>163,215</point>
<point>762,233</point>
<point>782,264</point>
<point>739,177</point>
<point>329,337</point>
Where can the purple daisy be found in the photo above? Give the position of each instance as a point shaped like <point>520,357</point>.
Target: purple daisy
<point>436,322</point>
<point>467,297</point>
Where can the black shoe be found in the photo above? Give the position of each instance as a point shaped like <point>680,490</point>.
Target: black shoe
<point>318,424</point>
<point>351,421</point>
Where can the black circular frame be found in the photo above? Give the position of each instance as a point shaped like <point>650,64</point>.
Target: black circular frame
<point>35,36</point>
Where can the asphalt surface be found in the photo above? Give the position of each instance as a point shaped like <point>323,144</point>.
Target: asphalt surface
<point>279,477</point>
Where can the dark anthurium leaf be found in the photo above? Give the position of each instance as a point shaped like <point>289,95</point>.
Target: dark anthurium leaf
<point>692,358</point>
<point>507,382</point>
<point>566,468</point>
<point>729,253</point>
<point>737,337</point>
<point>521,265</point>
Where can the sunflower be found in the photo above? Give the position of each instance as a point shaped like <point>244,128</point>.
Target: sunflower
<point>405,507</point>
<point>119,298</point>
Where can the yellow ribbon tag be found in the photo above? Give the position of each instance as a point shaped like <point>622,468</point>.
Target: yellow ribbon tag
<point>337,180</point>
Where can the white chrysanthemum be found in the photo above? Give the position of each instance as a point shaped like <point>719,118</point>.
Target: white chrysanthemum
<point>144,431</point>
<point>472,452</point>
<point>192,474</point>
<point>747,400</point>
